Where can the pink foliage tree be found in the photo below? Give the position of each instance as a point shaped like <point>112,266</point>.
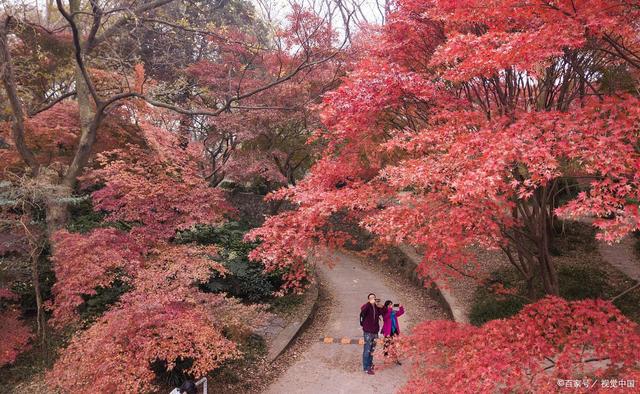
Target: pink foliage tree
<point>547,342</point>
<point>464,126</point>
<point>158,189</point>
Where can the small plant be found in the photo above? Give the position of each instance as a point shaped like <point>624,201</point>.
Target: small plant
<point>489,307</point>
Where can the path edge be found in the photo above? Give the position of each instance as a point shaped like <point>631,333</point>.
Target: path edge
<point>282,341</point>
<point>438,289</point>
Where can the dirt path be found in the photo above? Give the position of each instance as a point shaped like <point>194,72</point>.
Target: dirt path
<point>622,256</point>
<point>335,367</point>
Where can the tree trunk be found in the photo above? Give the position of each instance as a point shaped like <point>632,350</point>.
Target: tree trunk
<point>57,205</point>
<point>36,242</point>
<point>532,241</point>
<point>547,267</point>
<point>57,211</point>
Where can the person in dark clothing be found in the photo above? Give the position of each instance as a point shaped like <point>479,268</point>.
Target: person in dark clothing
<point>188,387</point>
<point>370,321</point>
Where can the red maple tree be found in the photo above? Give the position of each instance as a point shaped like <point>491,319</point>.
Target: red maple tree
<point>467,124</point>
<point>537,350</point>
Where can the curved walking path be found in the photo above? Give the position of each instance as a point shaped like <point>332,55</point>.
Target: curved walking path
<point>335,367</point>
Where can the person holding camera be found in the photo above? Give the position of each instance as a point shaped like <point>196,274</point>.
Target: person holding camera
<point>390,327</point>
<point>370,321</point>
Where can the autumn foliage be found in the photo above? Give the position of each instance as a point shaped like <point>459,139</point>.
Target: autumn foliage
<point>550,340</point>
<point>456,125</point>
<point>147,107</point>
<point>164,317</point>
<point>476,124</point>
<point>16,334</point>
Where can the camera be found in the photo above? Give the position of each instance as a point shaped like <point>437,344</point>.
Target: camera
<point>396,305</point>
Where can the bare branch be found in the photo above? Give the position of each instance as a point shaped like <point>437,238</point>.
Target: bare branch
<point>133,14</point>
<point>43,107</point>
<point>78,52</point>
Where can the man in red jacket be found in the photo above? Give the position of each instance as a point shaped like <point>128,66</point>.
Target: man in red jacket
<point>369,320</point>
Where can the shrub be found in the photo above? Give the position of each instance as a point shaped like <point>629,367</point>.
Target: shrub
<point>580,282</point>
<point>576,283</point>
<point>96,304</point>
<point>490,307</point>
<point>245,280</point>
<point>83,218</point>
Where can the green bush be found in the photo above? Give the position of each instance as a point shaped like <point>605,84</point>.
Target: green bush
<point>576,283</point>
<point>246,279</point>
<point>96,304</point>
<point>83,218</point>
<point>490,308</point>
<point>487,305</point>
<point>229,236</point>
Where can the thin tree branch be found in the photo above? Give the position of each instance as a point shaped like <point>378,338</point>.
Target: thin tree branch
<point>133,14</point>
<point>78,52</point>
<point>43,107</point>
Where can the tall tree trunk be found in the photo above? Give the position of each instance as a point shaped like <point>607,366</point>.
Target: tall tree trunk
<point>547,267</point>
<point>57,205</point>
<point>34,238</point>
<point>57,209</point>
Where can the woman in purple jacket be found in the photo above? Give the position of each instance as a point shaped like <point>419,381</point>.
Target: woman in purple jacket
<point>390,326</point>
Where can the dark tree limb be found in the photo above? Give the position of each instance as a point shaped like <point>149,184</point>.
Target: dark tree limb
<point>9,82</point>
